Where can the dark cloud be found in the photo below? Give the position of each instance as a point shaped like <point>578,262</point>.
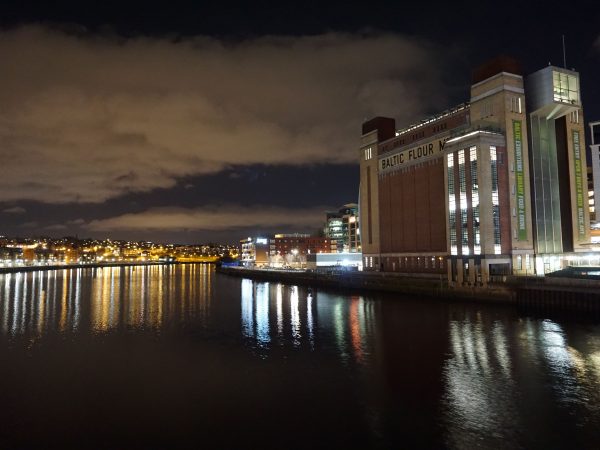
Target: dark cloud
<point>56,227</point>
<point>89,118</point>
<point>213,218</point>
<point>15,210</point>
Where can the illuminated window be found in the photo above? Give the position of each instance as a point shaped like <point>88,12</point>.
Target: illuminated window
<point>475,201</point>
<point>368,153</point>
<point>452,204</point>
<point>495,201</point>
<point>464,230</point>
<point>566,89</point>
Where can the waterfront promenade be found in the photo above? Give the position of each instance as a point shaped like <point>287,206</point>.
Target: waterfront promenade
<point>16,269</point>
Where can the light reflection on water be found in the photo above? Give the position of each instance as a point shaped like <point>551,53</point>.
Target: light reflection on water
<point>102,299</point>
<point>275,314</point>
<point>497,379</point>
<point>447,375</point>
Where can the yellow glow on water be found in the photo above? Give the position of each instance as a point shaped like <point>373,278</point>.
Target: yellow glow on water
<point>63,304</point>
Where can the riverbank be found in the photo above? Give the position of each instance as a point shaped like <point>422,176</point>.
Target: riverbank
<point>418,284</point>
<point>553,293</point>
<point>79,266</point>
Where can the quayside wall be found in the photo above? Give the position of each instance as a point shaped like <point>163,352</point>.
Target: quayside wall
<point>549,293</point>
<point>415,284</point>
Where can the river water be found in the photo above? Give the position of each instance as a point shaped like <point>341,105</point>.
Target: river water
<point>181,357</point>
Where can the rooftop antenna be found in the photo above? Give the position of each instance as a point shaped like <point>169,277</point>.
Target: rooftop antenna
<point>564,52</point>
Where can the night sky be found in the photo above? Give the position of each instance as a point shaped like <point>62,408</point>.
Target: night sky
<point>190,122</point>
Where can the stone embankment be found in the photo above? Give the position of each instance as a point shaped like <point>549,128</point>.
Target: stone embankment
<point>415,284</point>
<point>553,293</point>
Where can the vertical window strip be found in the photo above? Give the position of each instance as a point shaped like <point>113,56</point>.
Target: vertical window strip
<point>495,201</point>
<point>451,204</point>
<point>475,201</point>
<point>464,231</point>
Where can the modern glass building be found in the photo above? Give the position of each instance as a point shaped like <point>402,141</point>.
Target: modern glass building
<point>343,226</point>
<point>557,160</point>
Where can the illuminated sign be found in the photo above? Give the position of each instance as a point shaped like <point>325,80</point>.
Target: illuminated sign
<point>261,241</point>
<point>520,179</point>
<point>412,155</point>
<point>579,186</point>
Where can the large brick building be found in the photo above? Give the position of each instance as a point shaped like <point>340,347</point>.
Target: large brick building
<point>486,188</point>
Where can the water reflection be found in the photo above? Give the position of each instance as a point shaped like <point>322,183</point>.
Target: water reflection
<point>479,394</point>
<point>405,373</point>
<point>486,406</point>
<point>272,313</point>
<point>101,299</point>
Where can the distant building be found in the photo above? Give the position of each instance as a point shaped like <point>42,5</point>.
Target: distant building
<point>489,188</point>
<point>254,251</point>
<point>292,249</point>
<point>343,226</point>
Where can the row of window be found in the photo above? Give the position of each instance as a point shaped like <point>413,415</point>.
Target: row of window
<point>414,262</point>
<point>458,206</point>
<point>495,200</point>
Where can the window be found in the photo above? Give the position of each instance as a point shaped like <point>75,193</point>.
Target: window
<point>475,201</point>
<point>495,201</point>
<point>516,105</point>
<point>487,110</point>
<point>464,231</point>
<point>575,116</point>
<point>566,88</point>
<point>368,153</point>
<point>452,204</point>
